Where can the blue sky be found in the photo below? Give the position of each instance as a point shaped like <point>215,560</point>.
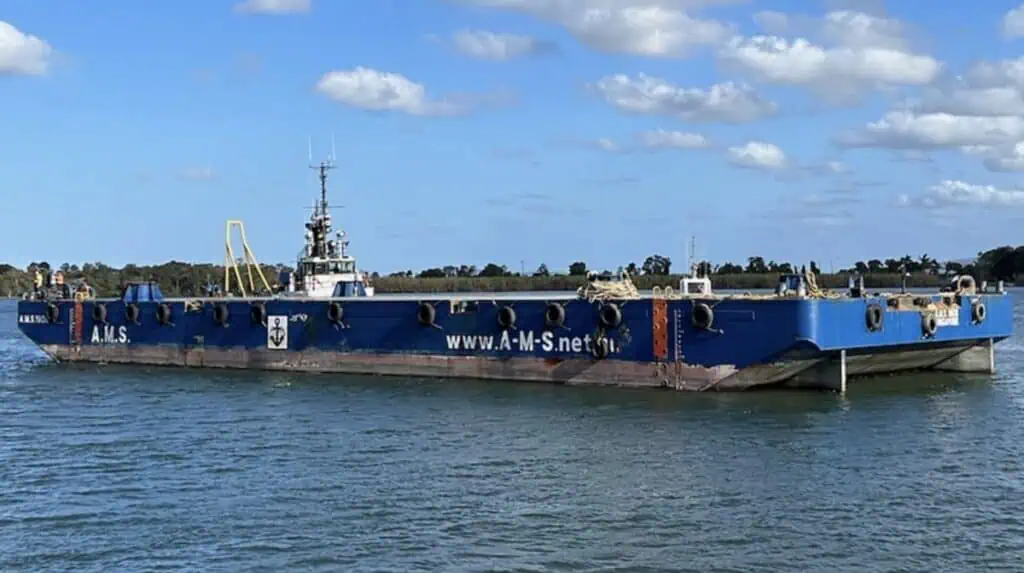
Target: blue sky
<point>513,131</point>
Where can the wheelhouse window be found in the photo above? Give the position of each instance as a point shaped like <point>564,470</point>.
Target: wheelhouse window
<point>341,266</point>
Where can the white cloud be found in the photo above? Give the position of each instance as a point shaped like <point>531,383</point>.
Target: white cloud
<point>985,89</point>
<point>859,30</point>
<point>757,155</point>
<point>652,140</point>
<point>728,102</point>
<point>1013,23</point>
<point>638,27</point>
<point>909,130</point>
<point>851,52</point>
<point>798,62</point>
<point>661,139</point>
<point>953,192</point>
<point>980,112</point>
<point>999,73</point>
<point>373,90</point>
<point>273,6</point>
<point>982,101</point>
<point>486,45</point>
<point>21,53</point>
<point>1003,160</point>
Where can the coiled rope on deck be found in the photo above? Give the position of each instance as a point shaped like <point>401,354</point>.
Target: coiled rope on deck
<point>596,290</point>
<point>813,290</point>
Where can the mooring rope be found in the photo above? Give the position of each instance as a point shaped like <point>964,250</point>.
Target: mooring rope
<point>596,290</point>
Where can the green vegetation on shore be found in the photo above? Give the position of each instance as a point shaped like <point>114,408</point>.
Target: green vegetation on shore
<point>185,279</point>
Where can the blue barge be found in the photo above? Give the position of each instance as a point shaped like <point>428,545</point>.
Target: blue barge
<point>328,319</point>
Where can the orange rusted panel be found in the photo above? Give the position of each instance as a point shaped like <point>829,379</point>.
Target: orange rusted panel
<point>659,328</point>
<point>76,333</point>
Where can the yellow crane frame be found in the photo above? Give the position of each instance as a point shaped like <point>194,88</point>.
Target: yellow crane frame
<point>231,265</point>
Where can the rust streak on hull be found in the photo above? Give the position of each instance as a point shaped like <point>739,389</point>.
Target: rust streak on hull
<point>577,371</point>
<point>659,328</point>
<point>794,371</point>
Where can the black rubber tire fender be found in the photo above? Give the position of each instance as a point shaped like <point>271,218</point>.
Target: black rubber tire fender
<point>554,315</point>
<point>335,312</point>
<point>929,324</point>
<point>99,312</point>
<point>610,315</point>
<point>52,313</point>
<point>702,316</point>
<point>163,313</point>
<point>257,312</point>
<point>132,313</point>
<point>978,312</point>
<point>425,314</point>
<point>506,317</point>
<point>873,317</point>
<point>220,314</point>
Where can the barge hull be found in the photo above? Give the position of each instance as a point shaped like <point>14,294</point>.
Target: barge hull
<point>827,371</point>
<point>742,343</point>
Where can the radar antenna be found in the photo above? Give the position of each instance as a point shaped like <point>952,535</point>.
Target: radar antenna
<point>322,170</point>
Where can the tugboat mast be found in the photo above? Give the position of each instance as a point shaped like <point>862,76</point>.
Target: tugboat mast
<point>324,166</point>
<point>322,174</point>
<point>320,225</point>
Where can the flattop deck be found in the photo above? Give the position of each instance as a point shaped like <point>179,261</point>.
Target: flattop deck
<point>561,296</point>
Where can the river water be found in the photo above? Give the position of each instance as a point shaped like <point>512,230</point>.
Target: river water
<point>131,469</point>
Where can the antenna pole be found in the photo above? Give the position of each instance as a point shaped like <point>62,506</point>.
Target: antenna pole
<point>322,173</point>
<point>694,262</point>
<point>323,186</point>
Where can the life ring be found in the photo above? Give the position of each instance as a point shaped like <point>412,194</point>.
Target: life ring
<point>599,348</point>
<point>873,317</point>
<point>52,313</point>
<point>610,315</point>
<point>929,324</point>
<point>163,314</point>
<point>220,314</point>
<point>257,313</point>
<point>335,312</point>
<point>425,314</point>
<point>702,316</point>
<point>131,313</point>
<point>554,315</point>
<point>99,313</point>
<point>506,317</point>
<point>978,312</point>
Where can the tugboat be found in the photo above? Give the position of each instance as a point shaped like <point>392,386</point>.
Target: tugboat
<point>324,268</point>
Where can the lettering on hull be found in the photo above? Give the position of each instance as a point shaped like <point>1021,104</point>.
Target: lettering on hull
<point>525,341</point>
<point>109,334</point>
<point>32,319</point>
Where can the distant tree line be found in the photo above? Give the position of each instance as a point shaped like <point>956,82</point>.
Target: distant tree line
<point>187,279</point>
